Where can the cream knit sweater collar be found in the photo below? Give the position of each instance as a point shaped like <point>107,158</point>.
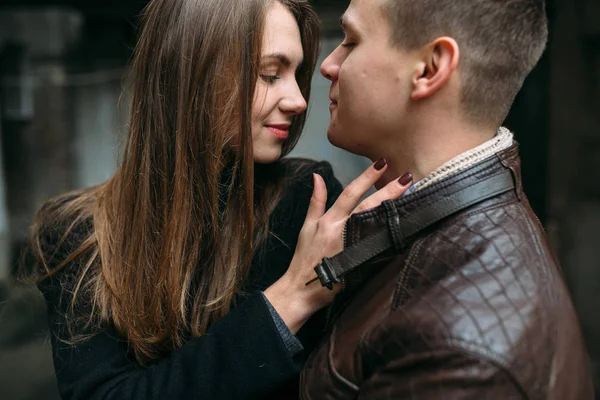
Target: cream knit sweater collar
<point>501,141</point>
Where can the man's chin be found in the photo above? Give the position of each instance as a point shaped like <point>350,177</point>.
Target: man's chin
<point>336,138</point>
<point>333,137</point>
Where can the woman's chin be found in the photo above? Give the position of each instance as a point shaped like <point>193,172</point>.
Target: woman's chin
<point>267,155</point>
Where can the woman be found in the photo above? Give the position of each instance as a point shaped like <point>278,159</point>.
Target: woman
<point>176,279</point>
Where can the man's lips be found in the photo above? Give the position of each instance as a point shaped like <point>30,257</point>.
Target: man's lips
<point>333,95</point>
<point>281,131</point>
<point>333,104</point>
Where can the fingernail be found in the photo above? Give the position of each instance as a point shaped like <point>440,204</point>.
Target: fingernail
<point>405,179</point>
<point>315,179</point>
<point>382,162</point>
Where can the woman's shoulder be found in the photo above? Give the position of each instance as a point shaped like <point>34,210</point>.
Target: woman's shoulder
<point>298,187</point>
<point>299,175</point>
<point>68,214</point>
<point>60,226</point>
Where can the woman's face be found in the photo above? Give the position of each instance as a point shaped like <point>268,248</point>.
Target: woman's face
<point>277,98</point>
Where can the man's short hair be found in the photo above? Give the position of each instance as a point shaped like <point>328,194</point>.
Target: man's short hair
<point>500,42</point>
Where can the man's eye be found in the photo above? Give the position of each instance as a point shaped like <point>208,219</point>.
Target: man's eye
<point>269,78</point>
<point>348,45</point>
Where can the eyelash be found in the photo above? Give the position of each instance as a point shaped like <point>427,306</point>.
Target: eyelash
<point>348,45</point>
<point>270,79</point>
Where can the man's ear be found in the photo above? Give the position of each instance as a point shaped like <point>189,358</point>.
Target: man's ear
<point>440,60</point>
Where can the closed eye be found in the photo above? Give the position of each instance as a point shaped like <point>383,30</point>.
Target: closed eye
<point>270,78</point>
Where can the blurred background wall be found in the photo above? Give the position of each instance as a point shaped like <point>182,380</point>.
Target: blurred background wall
<point>63,114</point>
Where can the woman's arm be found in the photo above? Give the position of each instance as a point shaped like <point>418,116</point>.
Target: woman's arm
<point>321,236</point>
<point>293,208</point>
<point>240,357</point>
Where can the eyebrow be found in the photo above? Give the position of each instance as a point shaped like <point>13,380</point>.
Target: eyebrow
<point>282,58</point>
<point>346,24</point>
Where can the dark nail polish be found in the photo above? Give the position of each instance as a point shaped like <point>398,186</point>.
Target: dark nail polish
<point>380,164</point>
<point>405,179</point>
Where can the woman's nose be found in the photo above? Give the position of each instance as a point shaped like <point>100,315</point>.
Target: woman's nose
<point>294,103</point>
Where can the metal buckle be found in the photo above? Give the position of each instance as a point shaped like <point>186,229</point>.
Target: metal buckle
<point>325,274</point>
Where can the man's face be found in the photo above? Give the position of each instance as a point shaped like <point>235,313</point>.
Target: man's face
<point>370,82</point>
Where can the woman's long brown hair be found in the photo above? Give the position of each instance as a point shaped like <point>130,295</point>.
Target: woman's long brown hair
<point>170,237</point>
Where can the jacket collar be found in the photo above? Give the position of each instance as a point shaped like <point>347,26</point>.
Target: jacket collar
<point>367,223</point>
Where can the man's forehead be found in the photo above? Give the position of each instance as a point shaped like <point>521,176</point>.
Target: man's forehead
<point>362,14</point>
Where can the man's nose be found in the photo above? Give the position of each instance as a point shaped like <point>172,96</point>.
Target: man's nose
<point>330,68</point>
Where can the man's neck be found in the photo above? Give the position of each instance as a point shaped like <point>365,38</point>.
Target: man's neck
<point>423,151</point>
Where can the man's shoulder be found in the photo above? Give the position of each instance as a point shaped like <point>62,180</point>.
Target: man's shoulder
<point>496,238</point>
<point>482,284</point>
<point>484,268</point>
<point>502,241</point>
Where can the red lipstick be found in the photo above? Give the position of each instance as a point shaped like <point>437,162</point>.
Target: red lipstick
<point>281,131</point>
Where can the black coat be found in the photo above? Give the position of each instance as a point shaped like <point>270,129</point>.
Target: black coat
<point>241,356</point>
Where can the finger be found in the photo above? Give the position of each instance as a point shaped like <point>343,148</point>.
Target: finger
<point>391,191</point>
<point>318,199</point>
<point>352,194</point>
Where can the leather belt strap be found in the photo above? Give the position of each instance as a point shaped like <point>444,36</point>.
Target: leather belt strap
<point>332,270</point>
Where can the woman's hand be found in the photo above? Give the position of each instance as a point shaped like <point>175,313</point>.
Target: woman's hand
<point>321,236</point>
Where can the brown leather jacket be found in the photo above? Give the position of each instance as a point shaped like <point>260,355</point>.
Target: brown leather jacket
<point>471,307</point>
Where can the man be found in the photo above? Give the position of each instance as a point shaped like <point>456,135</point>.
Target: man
<point>451,291</point>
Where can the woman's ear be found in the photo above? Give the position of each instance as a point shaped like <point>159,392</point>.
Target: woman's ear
<point>440,60</point>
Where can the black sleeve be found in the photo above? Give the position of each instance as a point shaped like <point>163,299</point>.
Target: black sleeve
<point>334,187</point>
<point>304,187</point>
<point>314,329</point>
<point>240,357</point>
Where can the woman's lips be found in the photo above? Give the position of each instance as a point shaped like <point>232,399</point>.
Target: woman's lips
<point>280,131</point>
